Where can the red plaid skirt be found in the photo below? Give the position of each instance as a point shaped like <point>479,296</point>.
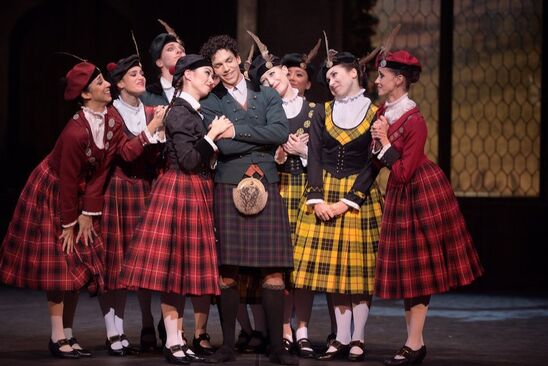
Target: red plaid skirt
<point>424,246</point>
<point>173,249</point>
<point>31,255</point>
<point>125,202</point>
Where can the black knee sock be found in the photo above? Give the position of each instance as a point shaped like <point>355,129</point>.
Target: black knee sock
<point>230,301</point>
<point>273,303</point>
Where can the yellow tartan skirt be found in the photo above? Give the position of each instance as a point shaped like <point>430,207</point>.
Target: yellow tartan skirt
<point>338,256</point>
<point>292,188</point>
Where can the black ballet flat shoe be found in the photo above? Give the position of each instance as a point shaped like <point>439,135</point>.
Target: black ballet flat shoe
<point>201,350</point>
<point>410,357</point>
<point>353,357</point>
<point>301,348</point>
<point>130,348</point>
<point>288,345</point>
<point>190,354</point>
<point>242,341</point>
<point>283,358</point>
<point>55,349</point>
<point>148,341</point>
<point>82,351</point>
<point>223,354</point>
<point>168,353</point>
<point>258,348</point>
<point>330,338</point>
<point>115,352</point>
<point>341,351</point>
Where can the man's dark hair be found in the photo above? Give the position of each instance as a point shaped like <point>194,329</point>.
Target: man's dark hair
<point>219,42</point>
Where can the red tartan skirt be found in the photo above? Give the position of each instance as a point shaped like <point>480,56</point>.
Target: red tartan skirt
<point>424,246</point>
<point>125,202</point>
<point>173,249</point>
<point>31,255</point>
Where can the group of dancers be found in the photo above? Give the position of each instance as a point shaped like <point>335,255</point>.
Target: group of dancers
<point>221,176</point>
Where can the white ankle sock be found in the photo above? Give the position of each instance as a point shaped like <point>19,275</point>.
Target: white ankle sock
<point>111,329</point>
<point>173,335</point>
<point>344,321</point>
<point>119,324</point>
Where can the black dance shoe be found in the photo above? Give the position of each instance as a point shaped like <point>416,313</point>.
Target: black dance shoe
<point>356,357</point>
<point>330,338</point>
<point>168,353</point>
<point>257,348</point>
<point>410,357</point>
<point>115,352</point>
<point>130,349</point>
<point>148,339</point>
<point>341,351</point>
<point>304,348</point>
<point>190,354</point>
<point>223,354</point>
<point>82,351</point>
<point>201,350</point>
<point>288,345</point>
<point>55,349</point>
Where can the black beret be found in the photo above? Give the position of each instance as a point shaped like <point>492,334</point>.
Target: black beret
<point>118,70</point>
<point>259,66</point>
<point>342,57</point>
<point>297,60</point>
<point>158,44</point>
<point>188,62</point>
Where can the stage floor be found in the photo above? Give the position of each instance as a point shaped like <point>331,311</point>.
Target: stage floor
<point>462,329</point>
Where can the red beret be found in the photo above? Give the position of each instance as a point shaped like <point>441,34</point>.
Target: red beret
<point>398,60</point>
<point>77,79</point>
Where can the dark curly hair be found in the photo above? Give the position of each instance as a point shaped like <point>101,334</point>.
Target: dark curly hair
<point>219,42</point>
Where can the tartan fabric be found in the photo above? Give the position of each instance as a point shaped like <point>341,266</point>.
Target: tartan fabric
<point>262,240</point>
<point>338,256</point>
<point>345,136</point>
<point>125,202</point>
<point>292,188</point>
<point>425,247</point>
<point>31,255</point>
<point>173,249</point>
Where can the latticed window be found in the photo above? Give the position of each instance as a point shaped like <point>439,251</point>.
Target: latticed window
<point>495,90</point>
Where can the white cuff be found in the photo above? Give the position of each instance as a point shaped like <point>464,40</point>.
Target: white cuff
<point>313,201</point>
<point>349,203</point>
<point>304,159</point>
<point>69,225</point>
<point>383,150</point>
<point>210,141</point>
<point>92,213</point>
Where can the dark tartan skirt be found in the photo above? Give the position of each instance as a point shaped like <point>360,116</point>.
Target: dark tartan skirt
<point>338,256</point>
<point>125,203</point>
<point>32,256</point>
<point>173,249</point>
<point>262,240</point>
<point>425,247</point>
<point>292,190</point>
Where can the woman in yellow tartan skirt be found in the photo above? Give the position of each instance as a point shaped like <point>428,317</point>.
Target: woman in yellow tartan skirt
<point>339,222</point>
<point>291,158</point>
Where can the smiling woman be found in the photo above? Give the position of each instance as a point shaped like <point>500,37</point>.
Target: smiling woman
<point>53,242</point>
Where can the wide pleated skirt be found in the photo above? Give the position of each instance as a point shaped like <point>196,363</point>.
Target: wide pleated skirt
<point>126,200</point>
<point>338,256</point>
<point>173,249</point>
<point>425,247</point>
<point>32,256</point>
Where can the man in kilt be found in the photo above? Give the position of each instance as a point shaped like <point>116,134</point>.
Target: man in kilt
<point>261,240</point>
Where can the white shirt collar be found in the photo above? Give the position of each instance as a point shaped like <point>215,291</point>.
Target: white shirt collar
<point>239,92</point>
<point>292,105</point>
<point>169,90</point>
<point>394,110</point>
<point>134,117</point>
<point>190,99</point>
<point>96,122</point>
<point>348,112</point>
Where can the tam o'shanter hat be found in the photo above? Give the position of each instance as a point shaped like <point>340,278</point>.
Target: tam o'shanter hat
<point>263,62</point>
<point>302,60</point>
<point>188,62</point>
<point>79,76</point>
<point>333,58</point>
<point>162,39</point>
